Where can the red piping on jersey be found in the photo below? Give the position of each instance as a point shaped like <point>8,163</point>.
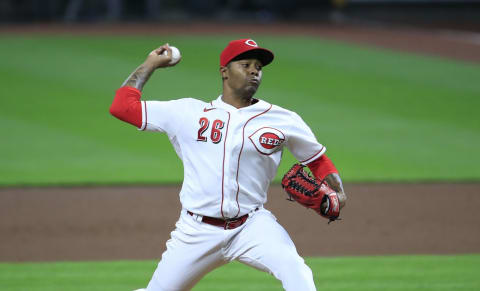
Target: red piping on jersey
<point>313,155</point>
<point>240,154</point>
<point>223,164</point>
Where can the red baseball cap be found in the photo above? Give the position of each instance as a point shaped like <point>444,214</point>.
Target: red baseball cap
<point>239,48</point>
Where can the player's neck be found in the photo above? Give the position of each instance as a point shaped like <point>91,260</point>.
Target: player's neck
<point>237,102</point>
<point>237,99</point>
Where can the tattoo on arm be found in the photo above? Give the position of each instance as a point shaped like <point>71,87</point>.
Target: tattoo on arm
<point>333,181</point>
<point>139,77</point>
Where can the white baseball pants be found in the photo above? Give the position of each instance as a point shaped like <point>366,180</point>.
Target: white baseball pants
<point>196,248</point>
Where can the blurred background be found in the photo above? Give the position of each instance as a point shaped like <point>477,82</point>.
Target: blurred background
<point>462,14</point>
<point>362,59</point>
<point>391,87</point>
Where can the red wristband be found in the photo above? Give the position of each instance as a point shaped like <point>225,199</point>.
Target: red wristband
<point>322,167</point>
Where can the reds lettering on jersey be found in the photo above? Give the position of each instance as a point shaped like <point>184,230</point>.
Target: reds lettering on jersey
<point>229,155</point>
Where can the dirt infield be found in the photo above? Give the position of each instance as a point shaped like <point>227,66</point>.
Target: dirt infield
<point>107,223</point>
<point>103,223</point>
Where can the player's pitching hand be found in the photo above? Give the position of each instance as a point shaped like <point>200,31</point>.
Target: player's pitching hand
<point>159,59</point>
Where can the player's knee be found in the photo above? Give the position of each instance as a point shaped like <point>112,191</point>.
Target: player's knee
<point>291,262</point>
<point>294,273</point>
<point>302,270</point>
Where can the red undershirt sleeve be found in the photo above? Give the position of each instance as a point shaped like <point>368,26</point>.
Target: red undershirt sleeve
<point>322,167</point>
<point>127,106</point>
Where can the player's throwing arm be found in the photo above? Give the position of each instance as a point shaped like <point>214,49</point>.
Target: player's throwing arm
<point>126,105</point>
<point>161,57</point>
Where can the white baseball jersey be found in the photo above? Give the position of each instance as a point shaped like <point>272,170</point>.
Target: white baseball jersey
<point>230,156</point>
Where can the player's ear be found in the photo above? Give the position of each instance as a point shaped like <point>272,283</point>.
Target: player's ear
<point>223,72</point>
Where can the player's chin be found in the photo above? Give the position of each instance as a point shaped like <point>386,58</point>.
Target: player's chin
<point>251,88</point>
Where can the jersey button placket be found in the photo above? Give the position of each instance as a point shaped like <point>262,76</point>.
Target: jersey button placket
<point>235,154</point>
<point>230,203</point>
<point>227,178</point>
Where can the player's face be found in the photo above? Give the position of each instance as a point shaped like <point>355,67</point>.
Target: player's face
<point>244,76</point>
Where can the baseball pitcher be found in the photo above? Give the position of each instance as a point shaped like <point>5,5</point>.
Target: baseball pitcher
<point>231,148</point>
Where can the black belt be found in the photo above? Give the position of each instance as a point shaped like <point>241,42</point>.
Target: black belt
<point>229,223</point>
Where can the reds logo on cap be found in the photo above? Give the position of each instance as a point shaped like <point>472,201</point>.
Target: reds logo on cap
<point>267,140</point>
<point>240,46</point>
<point>251,42</point>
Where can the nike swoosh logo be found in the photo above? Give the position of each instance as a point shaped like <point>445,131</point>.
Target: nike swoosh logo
<point>207,109</point>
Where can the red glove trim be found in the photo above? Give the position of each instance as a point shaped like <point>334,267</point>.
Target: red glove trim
<point>127,106</point>
<point>322,167</point>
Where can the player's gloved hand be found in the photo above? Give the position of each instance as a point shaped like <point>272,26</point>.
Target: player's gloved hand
<point>159,59</point>
<point>307,191</point>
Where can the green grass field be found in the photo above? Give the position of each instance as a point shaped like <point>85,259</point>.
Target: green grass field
<point>383,115</point>
<point>382,273</point>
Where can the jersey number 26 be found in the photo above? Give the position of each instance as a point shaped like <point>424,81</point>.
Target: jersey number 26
<point>215,133</point>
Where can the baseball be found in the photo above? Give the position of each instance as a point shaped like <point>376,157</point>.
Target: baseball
<point>175,55</point>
